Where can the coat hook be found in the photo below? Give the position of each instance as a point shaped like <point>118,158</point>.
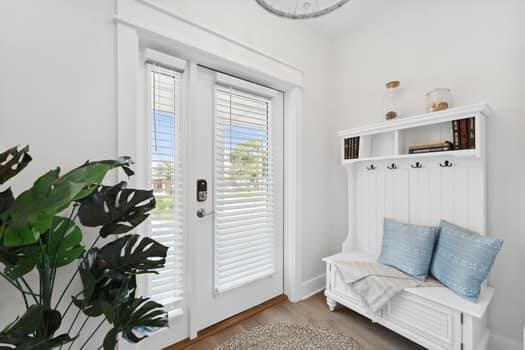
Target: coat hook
<point>392,167</point>
<point>371,167</point>
<point>418,165</point>
<point>446,164</point>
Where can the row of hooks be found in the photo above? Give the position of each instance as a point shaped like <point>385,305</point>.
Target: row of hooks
<point>416,165</point>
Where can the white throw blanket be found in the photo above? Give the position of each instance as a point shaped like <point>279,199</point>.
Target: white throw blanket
<point>376,283</point>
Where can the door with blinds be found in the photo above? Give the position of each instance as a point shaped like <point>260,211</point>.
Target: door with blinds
<point>237,233</point>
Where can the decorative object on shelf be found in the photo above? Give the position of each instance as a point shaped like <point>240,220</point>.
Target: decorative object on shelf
<point>301,9</point>
<point>391,106</point>
<point>352,148</point>
<point>446,164</point>
<point>392,166</point>
<point>433,146</point>
<point>417,165</point>
<point>438,100</point>
<point>34,236</point>
<point>464,133</point>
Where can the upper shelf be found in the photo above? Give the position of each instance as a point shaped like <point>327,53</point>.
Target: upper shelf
<point>417,120</point>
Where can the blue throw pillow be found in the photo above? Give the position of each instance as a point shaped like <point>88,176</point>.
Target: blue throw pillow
<point>408,247</point>
<point>462,259</point>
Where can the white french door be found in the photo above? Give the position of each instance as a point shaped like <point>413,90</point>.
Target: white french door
<point>225,245</point>
<point>236,146</point>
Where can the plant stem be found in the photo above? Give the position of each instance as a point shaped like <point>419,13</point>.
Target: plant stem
<point>93,333</point>
<point>23,294</point>
<point>72,323</point>
<point>10,281</point>
<point>70,304</point>
<point>78,333</point>
<point>75,274</point>
<point>71,223</point>
<point>46,291</point>
<point>30,290</point>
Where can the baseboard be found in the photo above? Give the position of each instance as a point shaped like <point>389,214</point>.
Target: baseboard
<point>313,286</point>
<point>499,342</point>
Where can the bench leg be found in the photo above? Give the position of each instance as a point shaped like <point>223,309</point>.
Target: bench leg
<point>331,303</point>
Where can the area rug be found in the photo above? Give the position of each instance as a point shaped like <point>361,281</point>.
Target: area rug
<point>283,336</point>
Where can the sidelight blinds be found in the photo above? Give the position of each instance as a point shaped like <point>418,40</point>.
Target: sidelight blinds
<point>244,199</point>
<point>166,180</point>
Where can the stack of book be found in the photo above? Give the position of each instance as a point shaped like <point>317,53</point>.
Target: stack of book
<point>464,133</point>
<point>352,148</point>
<point>435,146</point>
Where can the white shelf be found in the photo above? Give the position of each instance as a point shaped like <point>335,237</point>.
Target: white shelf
<point>390,140</point>
<point>417,120</point>
<point>458,153</point>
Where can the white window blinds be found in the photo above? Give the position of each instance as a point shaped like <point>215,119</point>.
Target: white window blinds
<point>244,199</point>
<point>166,180</point>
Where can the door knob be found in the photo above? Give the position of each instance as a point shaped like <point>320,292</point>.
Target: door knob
<point>201,213</point>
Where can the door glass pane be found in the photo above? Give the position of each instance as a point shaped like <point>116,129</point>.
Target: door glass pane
<point>244,220</point>
<point>166,180</point>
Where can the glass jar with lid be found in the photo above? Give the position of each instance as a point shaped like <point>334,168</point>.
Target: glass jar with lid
<point>391,105</point>
<point>438,100</point>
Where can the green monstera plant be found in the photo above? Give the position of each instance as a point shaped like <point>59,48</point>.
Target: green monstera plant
<point>35,236</point>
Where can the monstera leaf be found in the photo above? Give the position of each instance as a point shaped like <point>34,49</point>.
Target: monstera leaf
<point>61,243</point>
<point>109,274</point>
<point>12,162</point>
<point>6,201</point>
<point>91,174</point>
<point>34,331</point>
<point>125,255</point>
<point>32,212</point>
<point>127,318</point>
<point>117,209</point>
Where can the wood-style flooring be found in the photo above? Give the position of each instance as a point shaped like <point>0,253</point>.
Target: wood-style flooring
<point>314,311</point>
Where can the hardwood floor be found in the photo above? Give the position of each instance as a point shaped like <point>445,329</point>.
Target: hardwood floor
<point>314,311</point>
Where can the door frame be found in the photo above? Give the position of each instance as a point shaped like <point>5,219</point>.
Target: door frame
<point>143,24</point>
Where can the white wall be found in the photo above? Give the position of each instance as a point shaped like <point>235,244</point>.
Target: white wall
<point>57,93</point>
<point>476,48</point>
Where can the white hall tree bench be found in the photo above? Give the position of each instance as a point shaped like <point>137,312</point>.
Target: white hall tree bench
<point>384,180</point>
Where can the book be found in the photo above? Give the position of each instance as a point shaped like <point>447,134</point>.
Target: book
<point>347,149</point>
<point>356,154</point>
<point>440,146</point>
<point>455,133</point>
<point>427,144</point>
<point>429,150</point>
<point>463,133</point>
<point>431,144</point>
<point>472,133</point>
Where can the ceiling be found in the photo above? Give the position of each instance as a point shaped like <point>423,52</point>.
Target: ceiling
<point>348,18</point>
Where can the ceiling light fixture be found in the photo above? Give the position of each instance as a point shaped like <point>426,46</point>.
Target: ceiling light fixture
<point>301,9</point>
